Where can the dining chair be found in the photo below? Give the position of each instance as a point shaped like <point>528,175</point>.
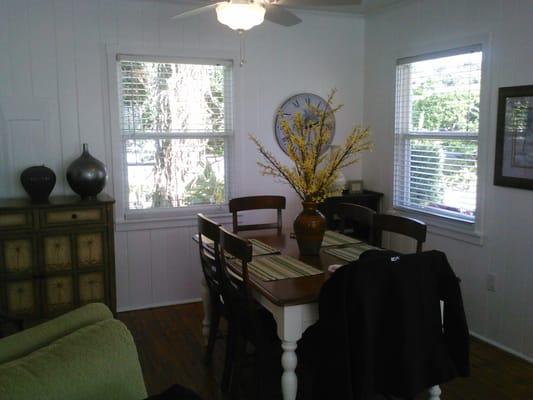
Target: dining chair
<point>249,322</point>
<point>361,219</point>
<point>262,202</point>
<point>410,227</point>
<point>384,316</point>
<point>212,270</point>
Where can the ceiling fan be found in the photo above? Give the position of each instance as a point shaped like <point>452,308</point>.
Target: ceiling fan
<point>242,15</point>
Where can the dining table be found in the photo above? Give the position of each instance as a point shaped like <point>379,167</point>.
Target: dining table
<point>293,302</point>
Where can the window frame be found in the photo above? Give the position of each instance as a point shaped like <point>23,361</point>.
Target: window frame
<point>119,164</point>
<point>473,231</point>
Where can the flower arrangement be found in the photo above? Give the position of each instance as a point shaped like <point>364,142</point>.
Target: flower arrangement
<point>314,171</point>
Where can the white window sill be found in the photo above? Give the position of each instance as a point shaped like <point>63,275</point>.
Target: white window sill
<point>447,227</point>
<point>160,219</point>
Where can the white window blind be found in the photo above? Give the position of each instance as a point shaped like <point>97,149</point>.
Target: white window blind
<point>436,132</point>
<point>175,121</point>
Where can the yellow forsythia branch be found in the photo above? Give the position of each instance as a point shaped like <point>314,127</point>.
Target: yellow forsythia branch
<point>313,173</point>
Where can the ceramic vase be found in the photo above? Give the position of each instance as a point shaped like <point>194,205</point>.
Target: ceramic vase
<point>309,229</point>
<point>86,175</point>
<point>38,182</point>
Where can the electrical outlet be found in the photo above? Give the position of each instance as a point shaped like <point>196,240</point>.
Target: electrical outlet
<point>491,282</point>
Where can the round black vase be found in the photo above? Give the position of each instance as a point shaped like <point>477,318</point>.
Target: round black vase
<point>86,175</point>
<point>38,182</point>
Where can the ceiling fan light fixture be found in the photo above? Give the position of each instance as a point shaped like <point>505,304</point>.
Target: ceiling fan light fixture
<point>240,16</point>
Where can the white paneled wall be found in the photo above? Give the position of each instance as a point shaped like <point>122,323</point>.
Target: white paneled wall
<point>506,315</point>
<point>54,97</point>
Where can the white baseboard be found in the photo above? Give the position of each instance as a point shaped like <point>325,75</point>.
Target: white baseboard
<point>157,305</point>
<point>502,347</point>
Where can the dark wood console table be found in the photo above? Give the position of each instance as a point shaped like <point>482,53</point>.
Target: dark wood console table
<point>56,256</point>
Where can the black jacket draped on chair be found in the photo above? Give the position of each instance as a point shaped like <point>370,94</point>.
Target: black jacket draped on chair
<point>380,328</point>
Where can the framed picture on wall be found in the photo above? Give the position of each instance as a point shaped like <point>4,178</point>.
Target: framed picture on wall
<point>355,186</point>
<point>514,138</point>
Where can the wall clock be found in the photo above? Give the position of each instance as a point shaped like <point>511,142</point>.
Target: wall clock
<point>299,103</point>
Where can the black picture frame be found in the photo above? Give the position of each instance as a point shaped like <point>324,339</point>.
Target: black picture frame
<point>513,164</point>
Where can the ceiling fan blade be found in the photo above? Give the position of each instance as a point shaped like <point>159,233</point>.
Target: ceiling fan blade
<point>281,16</point>
<point>296,3</point>
<point>195,11</point>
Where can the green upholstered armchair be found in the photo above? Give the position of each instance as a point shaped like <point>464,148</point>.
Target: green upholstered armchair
<point>84,354</point>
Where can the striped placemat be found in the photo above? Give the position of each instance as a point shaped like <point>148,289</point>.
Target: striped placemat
<point>258,248</point>
<point>332,238</point>
<point>350,253</point>
<point>277,267</point>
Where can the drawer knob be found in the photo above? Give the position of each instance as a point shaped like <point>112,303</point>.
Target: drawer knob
<point>74,216</point>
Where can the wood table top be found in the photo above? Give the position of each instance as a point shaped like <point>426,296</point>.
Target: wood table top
<point>291,291</point>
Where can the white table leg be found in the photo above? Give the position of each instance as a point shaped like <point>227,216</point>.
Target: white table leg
<point>289,380</point>
<point>291,322</point>
<point>434,392</point>
<point>206,322</point>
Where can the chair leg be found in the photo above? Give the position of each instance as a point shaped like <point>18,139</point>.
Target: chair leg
<point>229,357</point>
<point>261,372</point>
<point>213,331</point>
<point>236,375</point>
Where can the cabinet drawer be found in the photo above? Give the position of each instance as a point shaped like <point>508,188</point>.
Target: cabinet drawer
<point>15,220</point>
<point>57,252</point>
<point>91,288</point>
<point>22,298</point>
<point>18,255</point>
<point>58,294</point>
<point>73,216</point>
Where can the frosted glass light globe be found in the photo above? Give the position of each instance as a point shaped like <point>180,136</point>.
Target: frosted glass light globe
<point>240,16</point>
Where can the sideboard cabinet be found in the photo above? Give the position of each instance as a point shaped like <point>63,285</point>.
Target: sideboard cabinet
<point>56,256</point>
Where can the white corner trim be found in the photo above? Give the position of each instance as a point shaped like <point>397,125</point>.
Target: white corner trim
<point>502,347</point>
<point>157,305</point>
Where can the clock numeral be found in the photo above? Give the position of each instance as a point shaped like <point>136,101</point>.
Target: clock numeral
<point>308,101</point>
<point>287,114</point>
<point>296,103</point>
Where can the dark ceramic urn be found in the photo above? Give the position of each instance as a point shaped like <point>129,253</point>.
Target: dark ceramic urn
<point>86,175</point>
<point>309,229</point>
<point>38,182</point>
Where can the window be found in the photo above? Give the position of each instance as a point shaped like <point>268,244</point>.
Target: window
<point>175,123</point>
<point>437,126</point>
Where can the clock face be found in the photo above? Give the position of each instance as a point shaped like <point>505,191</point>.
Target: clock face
<point>300,104</point>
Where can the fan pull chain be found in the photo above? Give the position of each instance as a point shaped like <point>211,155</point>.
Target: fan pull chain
<point>242,47</point>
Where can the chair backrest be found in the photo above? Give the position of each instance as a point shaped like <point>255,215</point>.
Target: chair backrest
<point>257,203</point>
<point>410,227</point>
<point>235,254</point>
<point>208,239</point>
<point>361,217</point>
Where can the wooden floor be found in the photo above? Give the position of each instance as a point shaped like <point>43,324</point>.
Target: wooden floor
<point>171,351</point>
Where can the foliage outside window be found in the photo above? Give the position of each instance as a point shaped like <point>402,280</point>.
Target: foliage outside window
<point>175,123</point>
<point>437,126</point>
